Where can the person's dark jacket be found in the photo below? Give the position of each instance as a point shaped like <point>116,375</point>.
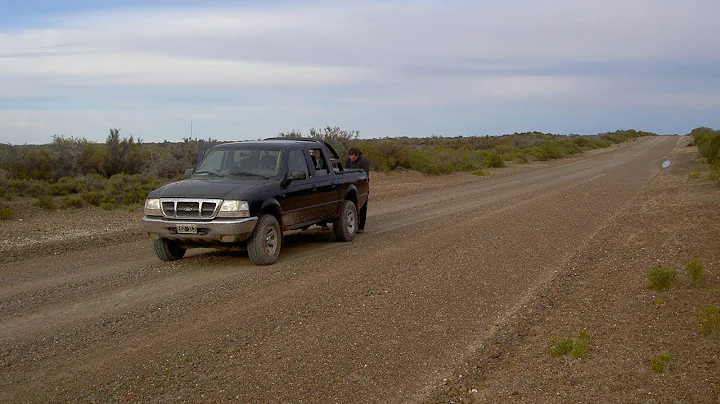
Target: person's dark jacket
<point>360,162</point>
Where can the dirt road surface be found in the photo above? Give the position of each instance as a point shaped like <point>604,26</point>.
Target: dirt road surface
<point>451,295</point>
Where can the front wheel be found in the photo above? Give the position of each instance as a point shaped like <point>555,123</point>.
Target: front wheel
<point>168,250</point>
<point>265,242</point>
<point>345,225</point>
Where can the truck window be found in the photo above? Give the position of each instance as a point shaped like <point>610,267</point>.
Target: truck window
<point>297,162</point>
<point>319,162</point>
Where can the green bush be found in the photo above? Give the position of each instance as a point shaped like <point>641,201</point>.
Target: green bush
<point>5,213</point>
<point>67,186</point>
<point>496,161</point>
<point>661,278</point>
<point>94,198</point>
<point>709,320</point>
<point>37,189</point>
<point>708,143</point>
<point>107,206</point>
<point>573,347</point>
<point>46,202</point>
<point>661,363</point>
<point>73,201</point>
<point>432,161</point>
<point>695,271</point>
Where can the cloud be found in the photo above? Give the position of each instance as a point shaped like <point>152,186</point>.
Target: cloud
<point>325,58</point>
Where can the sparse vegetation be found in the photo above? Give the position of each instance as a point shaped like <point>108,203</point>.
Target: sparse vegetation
<point>5,213</point>
<point>573,347</point>
<point>123,170</point>
<point>46,202</point>
<point>708,144</point>
<point>709,319</point>
<point>694,176</point>
<point>694,271</point>
<point>661,363</point>
<point>661,278</point>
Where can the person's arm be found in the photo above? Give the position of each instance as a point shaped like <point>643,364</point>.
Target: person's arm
<point>364,163</point>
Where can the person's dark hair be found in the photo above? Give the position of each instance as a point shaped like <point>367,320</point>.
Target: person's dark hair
<point>354,150</point>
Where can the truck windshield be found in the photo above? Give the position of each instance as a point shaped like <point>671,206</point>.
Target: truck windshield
<point>239,162</point>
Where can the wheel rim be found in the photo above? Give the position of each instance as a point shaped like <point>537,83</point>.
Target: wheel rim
<point>350,221</point>
<point>271,241</point>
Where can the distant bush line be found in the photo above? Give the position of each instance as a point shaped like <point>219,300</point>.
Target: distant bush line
<point>707,141</point>
<point>72,172</point>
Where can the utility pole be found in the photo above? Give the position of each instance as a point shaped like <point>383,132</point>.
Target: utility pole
<point>190,130</point>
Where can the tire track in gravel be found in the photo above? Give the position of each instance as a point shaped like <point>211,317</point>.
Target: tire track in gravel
<point>115,284</point>
<point>433,274</point>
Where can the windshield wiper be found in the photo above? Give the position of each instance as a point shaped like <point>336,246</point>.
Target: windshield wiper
<point>247,173</point>
<point>207,173</point>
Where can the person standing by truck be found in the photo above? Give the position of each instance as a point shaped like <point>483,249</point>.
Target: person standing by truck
<point>356,159</point>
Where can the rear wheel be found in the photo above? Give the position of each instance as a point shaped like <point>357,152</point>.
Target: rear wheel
<point>265,242</point>
<point>345,226</point>
<point>168,250</point>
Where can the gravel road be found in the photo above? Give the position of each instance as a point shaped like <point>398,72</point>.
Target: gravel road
<point>389,317</point>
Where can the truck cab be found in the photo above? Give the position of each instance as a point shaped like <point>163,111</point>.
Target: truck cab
<point>247,194</point>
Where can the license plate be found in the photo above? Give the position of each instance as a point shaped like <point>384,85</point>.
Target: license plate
<point>186,229</point>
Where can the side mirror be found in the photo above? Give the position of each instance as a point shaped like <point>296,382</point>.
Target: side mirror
<point>189,172</point>
<point>298,175</point>
<point>293,176</point>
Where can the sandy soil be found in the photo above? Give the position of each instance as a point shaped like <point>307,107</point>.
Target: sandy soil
<point>453,294</point>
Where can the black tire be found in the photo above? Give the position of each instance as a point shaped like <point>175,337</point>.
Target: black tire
<point>345,226</point>
<point>265,243</point>
<point>168,250</point>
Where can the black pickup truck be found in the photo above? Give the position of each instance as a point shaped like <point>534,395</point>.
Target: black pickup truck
<point>247,194</point>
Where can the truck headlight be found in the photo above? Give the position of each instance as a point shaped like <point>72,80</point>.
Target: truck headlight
<point>152,207</point>
<point>231,208</point>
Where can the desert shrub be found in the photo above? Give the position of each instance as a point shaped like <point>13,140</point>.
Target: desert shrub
<point>92,182</point>
<point>555,150</point>
<point>4,187</point>
<point>94,198</point>
<point>123,155</point>
<point>386,154</point>
<point>5,213</point>
<point>661,363</point>
<point>107,205</point>
<point>165,165</point>
<point>661,278</point>
<point>73,201</point>
<point>708,143</point>
<point>709,320</point>
<point>495,160</point>
<point>66,186</point>
<point>124,189</point>
<point>694,270</point>
<point>36,189</point>
<point>572,347</point>
<point>28,162</point>
<point>431,161</point>
<point>625,135</point>
<point>72,157</point>
<point>540,153</point>
<point>46,202</point>
<point>17,187</point>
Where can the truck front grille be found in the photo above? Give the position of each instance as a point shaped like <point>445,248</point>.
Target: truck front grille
<point>184,208</point>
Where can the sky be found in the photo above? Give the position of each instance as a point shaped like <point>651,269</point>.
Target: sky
<point>236,70</point>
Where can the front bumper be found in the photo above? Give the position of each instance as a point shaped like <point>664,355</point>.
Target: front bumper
<point>216,231</point>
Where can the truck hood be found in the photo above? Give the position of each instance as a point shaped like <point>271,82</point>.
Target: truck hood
<point>206,189</point>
